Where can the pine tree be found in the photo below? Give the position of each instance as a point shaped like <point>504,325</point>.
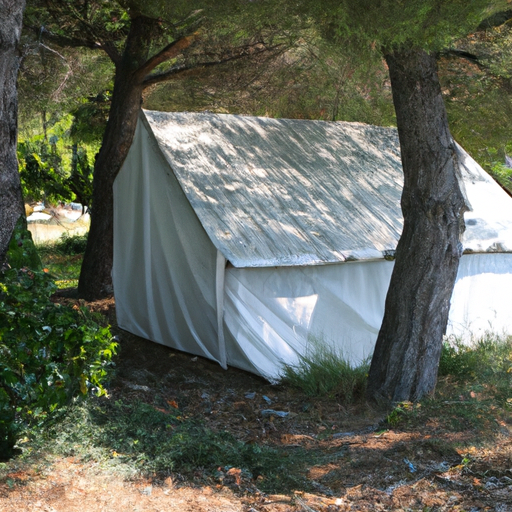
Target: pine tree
<point>11,202</point>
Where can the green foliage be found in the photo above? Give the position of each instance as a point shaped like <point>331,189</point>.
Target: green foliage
<point>63,259</point>
<point>477,96</point>
<point>428,24</point>
<point>502,174</point>
<point>53,79</point>
<point>71,245</point>
<point>41,171</point>
<point>90,118</point>
<point>49,353</point>
<point>399,411</point>
<point>55,166</point>
<point>80,180</point>
<point>326,372</point>
<point>22,252</point>
<point>474,389</point>
<point>146,439</point>
<point>310,80</point>
<point>487,361</point>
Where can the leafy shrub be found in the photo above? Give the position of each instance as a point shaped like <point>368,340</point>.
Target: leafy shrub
<point>326,372</point>
<point>22,251</point>
<point>488,359</point>
<point>485,364</point>
<point>71,245</point>
<point>42,172</point>
<point>49,353</point>
<point>66,245</point>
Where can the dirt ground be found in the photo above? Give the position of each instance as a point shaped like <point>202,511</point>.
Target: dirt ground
<point>373,468</point>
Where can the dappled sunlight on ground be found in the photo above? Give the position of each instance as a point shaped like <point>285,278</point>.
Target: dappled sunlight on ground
<point>351,459</point>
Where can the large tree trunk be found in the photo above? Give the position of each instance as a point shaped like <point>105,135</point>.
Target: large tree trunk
<point>11,201</point>
<point>406,358</point>
<point>95,277</point>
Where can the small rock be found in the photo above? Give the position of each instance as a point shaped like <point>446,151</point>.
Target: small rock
<point>250,396</point>
<point>147,490</point>
<point>343,434</point>
<point>271,412</point>
<point>138,387</point>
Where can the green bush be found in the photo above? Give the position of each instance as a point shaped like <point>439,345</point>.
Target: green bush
<point>66,245</point>
<point>22,251</point>
<point>71,245</point>
<point>49,353</point>
<point>486,361</point>
<point>326,372</point>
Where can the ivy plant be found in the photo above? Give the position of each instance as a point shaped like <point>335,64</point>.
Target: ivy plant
<point>49,353</point>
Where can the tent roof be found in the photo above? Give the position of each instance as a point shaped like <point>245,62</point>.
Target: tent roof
<point>281,192</point>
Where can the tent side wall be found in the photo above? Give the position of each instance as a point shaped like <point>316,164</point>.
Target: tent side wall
<point>277,314</point>
<point>164,263</point>
<point>482,297</point>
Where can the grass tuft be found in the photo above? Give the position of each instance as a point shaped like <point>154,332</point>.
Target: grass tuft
<point>326,372</point>
<point>63,259</point>
<point>474,390</point>
<point>485,362</point>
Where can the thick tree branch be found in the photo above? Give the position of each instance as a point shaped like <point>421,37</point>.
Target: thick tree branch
<point>496,20</point>
<point>183,68</point>
<point>110,49</point>
<point>74,42</point>
<point>462,54</point>
<point>169,52</point>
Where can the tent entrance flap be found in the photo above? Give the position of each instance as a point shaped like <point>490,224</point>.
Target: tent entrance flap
<point>220,273</point>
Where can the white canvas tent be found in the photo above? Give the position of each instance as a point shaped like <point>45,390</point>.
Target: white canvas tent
<point>250,240</point>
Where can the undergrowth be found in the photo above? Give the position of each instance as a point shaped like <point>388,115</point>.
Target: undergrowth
<point>324,372</point>
<point>49,353</point>
<point>487,361</point>
<point>63,259</point>
<point>474,389</point>
<point>142,439</point>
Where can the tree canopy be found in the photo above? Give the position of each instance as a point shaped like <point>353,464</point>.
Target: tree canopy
<point>151,42</point>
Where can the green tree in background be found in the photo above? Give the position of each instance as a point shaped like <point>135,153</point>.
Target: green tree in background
<point>148,42</point>
<point>312,79</point>
<point>477,87</point>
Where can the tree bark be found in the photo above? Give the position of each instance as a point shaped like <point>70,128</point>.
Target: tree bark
<point>406,357</point>
<point>131,70</point>
<point>95,276</point>
<point>11,201</point>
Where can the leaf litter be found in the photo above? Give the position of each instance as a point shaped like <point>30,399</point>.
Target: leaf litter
<point>353,459</point>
